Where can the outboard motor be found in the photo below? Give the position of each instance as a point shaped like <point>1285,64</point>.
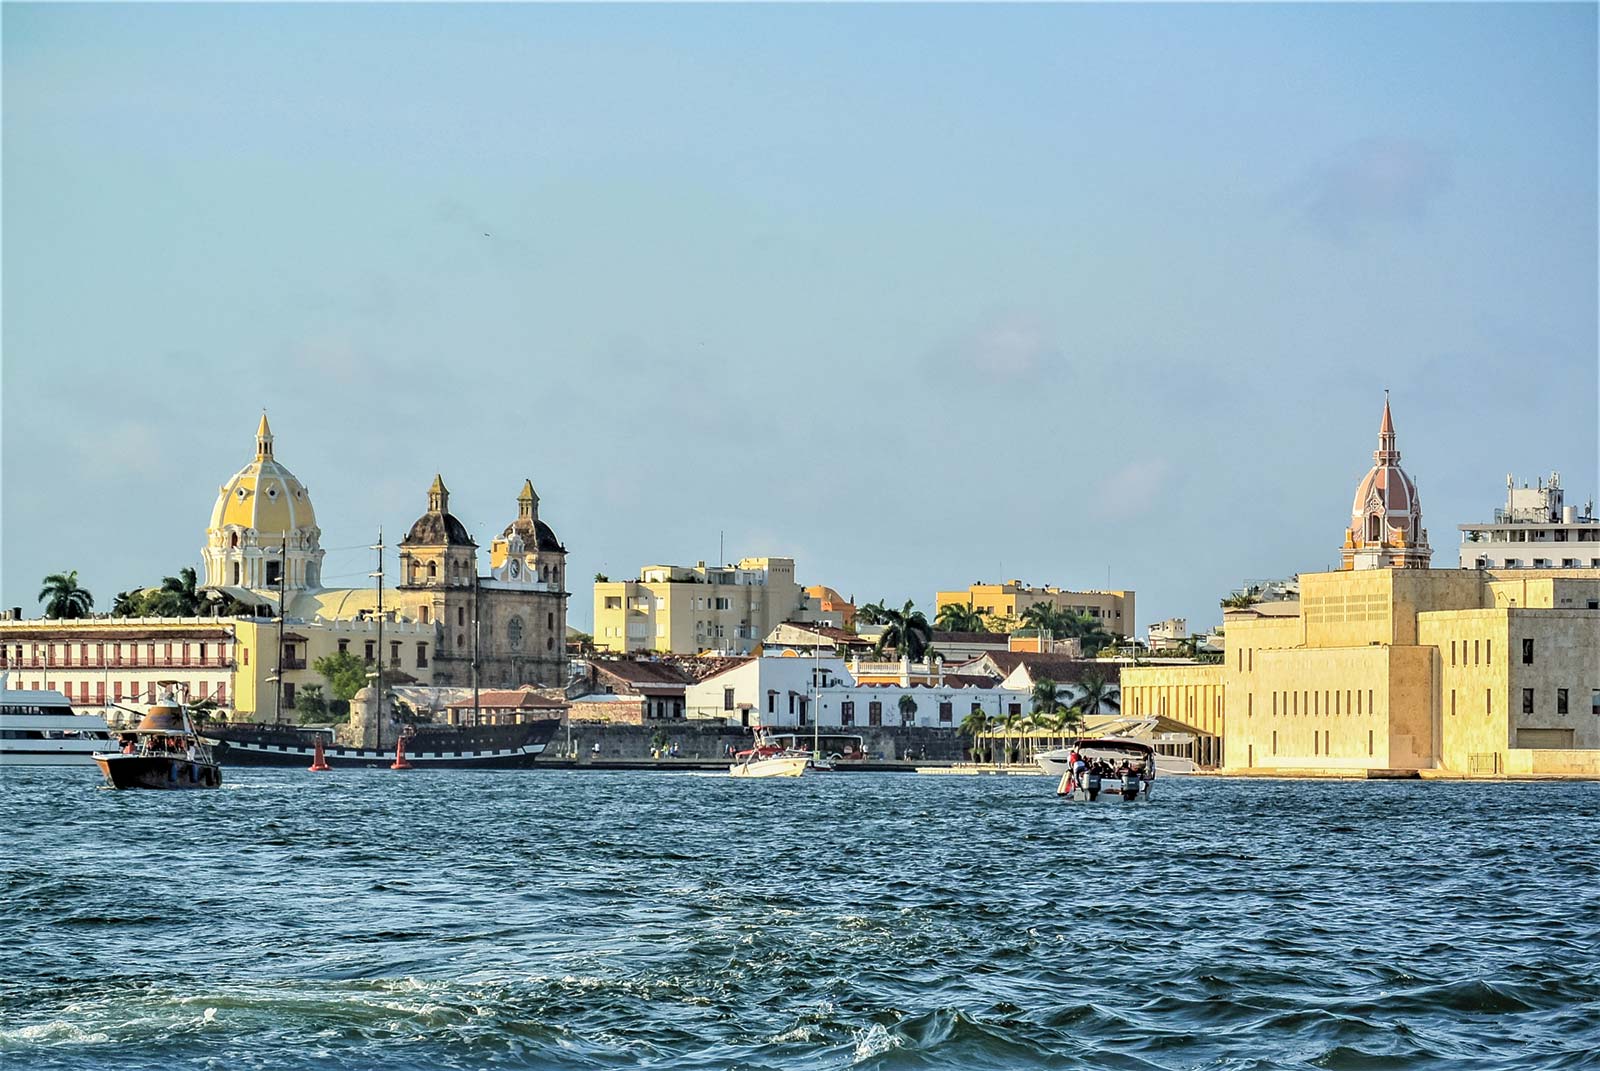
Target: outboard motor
<point>1093,784</point>
<point>1130,785</point>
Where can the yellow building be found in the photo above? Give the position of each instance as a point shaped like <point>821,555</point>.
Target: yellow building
<point>1010,600</point>
<point>443,624</point>
<point>1388,665</point>
<point>688,610</point>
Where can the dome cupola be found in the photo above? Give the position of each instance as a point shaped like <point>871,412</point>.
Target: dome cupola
<point>263,532</point>
<point>1386,516</point>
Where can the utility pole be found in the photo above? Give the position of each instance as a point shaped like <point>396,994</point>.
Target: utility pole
<point>377,682</point>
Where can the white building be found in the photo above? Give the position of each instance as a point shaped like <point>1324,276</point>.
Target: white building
<point>1535,530</point>
<point>790,692</point>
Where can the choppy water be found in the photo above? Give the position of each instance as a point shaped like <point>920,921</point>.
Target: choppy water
<point>593,920</point>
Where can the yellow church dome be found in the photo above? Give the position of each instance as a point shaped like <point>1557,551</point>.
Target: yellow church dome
<point>264,496</point>
<point>263,532</point>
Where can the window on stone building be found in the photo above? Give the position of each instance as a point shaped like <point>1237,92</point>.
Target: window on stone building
<point>422,655</point>
<point>1452,702</point>
<point>423,614</point>
<point>549,643</point>
<point>727,699</point>
<point>1561,700</point>
<point>874,712</point>
<point>514,633</point>
<point>550,620</point>
<point>288,694</point>
<point>947,713</point>
<point>394,653</point>
<point>370,651</point>
<point>344,646</point>
<point>274,572</point>
<point>461,617</point>
<point>847,713</point>
<point>1527,700</point>
<point>1527,652</point>
<point>772,702</point>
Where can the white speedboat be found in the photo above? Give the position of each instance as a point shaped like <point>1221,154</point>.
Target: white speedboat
<point>1107,768</point>
<point>768,758</point>
<point>1140,730</point>
<point>39,728</point>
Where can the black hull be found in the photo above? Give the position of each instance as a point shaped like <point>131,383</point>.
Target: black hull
<point>492,748</point>
<point>158,772</point>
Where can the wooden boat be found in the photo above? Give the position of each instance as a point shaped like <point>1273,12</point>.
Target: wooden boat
<point>428,746</point>
<point>162,753</point>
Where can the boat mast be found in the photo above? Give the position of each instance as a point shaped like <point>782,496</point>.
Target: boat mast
<point>377,684</point>
<point>477,632</point>
<point>283,587</point>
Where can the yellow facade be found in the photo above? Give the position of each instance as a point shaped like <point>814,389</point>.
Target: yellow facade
<point>1452,671</point>
<point>687,610</point>
<point>1187,699</point>
<point>1010,600</point>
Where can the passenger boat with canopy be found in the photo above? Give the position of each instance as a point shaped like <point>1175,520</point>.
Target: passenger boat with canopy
<point>163,752</point>
<point>1106,768</point>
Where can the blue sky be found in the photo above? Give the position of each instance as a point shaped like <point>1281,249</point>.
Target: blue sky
<point>917,295</point>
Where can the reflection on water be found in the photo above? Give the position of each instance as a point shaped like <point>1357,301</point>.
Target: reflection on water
<point>366,919</point>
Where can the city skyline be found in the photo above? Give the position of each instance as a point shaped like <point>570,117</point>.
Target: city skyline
<point>913,296</point>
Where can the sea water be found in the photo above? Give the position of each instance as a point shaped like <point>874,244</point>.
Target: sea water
<point>555,919</point>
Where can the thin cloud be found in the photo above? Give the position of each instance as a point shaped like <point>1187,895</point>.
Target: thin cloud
<point>1006,348</point>
<point>1373,181</point>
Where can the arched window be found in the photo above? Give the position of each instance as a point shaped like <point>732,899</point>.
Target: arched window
<point>233,539</point>
<point>423,614</point>
<point>433,570</point>
<point>549,643</point>
<point>1372,528</point>
<point>514,633</point>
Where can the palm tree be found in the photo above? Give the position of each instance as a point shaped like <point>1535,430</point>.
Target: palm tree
<point>958,617</point>
<point>908,709</point>
<point>63,598</point>
<point>872,613</point>
<point>1012,723</point>
<point>128,604</point>
<point>1046,697</point>
<point>1091,635</point>
<point>1047,617</point>
<point>974,725</point>
<point>178,597</point>
<point>905,631</point>
<point>1098,692</point>
<point>1240,600</point>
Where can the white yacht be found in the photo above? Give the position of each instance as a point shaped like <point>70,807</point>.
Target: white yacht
<point>38,728</point>
<point>1168,747</point>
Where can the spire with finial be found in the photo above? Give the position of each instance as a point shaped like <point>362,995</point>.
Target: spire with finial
<point>528,502</point>
<point>1386,451</point>
<point>438,496</point>
<point>263,439</point>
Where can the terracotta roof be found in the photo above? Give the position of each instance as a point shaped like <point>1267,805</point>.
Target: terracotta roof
<point>1059,668</point>
<point>968,680</point>
<point>831,632</point>
<point>642,673</point>
<point>968,637</point>
<point>510,699</point>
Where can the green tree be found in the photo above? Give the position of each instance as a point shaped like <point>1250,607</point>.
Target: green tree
<point>128,604</point>
<point>1098,693</point>
<point>345,673</point>
<point>973,726</point>
<point>958,617</point>
<point>311,705</point>
<point>601,578</point>
<point>1012,724</point>
<point>905,631</point>
<point>63,598</point>
<point>1091,635</point>
<point>908,709</point>
<point>177,596</point>
<point>1240,600</point>
<point>1046,696</point>
<point>1047,617</point>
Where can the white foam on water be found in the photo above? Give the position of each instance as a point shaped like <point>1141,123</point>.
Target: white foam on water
<point>875,1041</point>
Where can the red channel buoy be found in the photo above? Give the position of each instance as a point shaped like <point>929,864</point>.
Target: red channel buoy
<point>400,762</point>
<point>319,761</point>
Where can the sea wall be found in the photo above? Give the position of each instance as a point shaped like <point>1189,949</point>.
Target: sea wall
<point>711,740</point>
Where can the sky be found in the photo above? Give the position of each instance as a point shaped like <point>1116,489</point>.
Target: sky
<point>1086,295</point>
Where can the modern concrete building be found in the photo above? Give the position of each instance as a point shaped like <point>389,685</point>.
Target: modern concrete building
<point>1007,602</point>
<point>676,609</point>
<point>1535,530</point>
